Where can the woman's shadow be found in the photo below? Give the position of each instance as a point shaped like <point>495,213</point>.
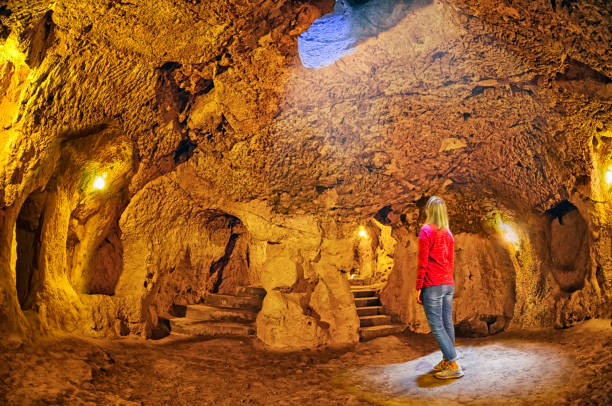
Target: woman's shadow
<point>428,380</point>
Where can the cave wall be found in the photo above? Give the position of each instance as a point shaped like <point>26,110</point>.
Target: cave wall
<point>308,301</point>
<point>66,218</point>
<point>485,291</point>
<point>551,278</point>
<point>579,264</point>
<point>176,250</point>
<point>199,108</point>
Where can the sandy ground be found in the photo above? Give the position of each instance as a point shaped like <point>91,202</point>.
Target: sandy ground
<point>542,367</point>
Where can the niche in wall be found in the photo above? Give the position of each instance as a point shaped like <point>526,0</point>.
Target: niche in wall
<point>568,233</point>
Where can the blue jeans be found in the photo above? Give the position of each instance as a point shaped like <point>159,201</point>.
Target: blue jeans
<point>438,305</point>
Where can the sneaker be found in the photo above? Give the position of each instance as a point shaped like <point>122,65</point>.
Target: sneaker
<point>453,371</point>
<point>442,365</point>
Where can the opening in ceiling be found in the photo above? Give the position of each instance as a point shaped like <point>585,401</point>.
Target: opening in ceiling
<point>336,34</point>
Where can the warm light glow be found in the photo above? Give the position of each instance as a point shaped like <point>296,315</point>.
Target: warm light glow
<point>508,233</point>
<point>100,182</point>
<point>412,382</point>
<point>9,51</point>
<point>362,232</point>
<point>608,176</point>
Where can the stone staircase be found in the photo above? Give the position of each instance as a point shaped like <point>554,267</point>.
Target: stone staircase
<point>220,315</point>
<point>372,318</point>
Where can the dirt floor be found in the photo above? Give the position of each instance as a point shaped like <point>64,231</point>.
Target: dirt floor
<point>542,367</point>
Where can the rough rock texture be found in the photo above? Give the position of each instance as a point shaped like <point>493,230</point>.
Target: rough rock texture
<point>230,163</point>
<point>308,301</point>
<point>484,286</point>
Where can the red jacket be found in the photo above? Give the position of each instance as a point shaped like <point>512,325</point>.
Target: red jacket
<point>436,257</point>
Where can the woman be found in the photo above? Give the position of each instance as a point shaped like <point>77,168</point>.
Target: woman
<point>435,285</point>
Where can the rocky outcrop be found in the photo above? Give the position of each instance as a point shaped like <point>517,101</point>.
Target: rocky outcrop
<point>175,235</point>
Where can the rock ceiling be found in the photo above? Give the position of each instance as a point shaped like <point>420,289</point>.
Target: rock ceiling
<point>487,102</point>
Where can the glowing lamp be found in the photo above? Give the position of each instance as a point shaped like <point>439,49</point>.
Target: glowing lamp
<point>608,176</point>
<point>509,233</point>
<point>362,232</point>
<point>100,182</point>
<point>9,51</point>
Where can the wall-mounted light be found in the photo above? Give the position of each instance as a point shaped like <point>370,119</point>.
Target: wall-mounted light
<point>9,51</point>
<point>100,182</point>
<point>608,176</point>
<point>362,232</point>
<point>508,233</point>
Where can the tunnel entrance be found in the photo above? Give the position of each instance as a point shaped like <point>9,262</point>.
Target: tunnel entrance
<point>232,269</point>
<point>27,234</point>
<point>373,248</point>
<point>373,263</point>
<point>212,290</point>
<point>106,265</point>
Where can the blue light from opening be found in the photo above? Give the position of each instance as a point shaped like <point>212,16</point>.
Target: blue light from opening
<point>335,35</point>
<point>327,40</point>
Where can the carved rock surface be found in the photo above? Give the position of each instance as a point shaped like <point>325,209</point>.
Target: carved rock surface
<point>229,163</point>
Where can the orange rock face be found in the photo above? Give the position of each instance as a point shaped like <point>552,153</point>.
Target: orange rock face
<point>226,163</point>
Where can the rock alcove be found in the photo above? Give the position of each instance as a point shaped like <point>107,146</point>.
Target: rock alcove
<point>229,162</point>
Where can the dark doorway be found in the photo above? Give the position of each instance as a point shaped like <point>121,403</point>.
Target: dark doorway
<point>29,225</point>
<point>232,269</point>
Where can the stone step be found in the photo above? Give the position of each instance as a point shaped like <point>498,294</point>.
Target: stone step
<point>251,291</point>
<point>364,293</point>
<point>367,301</point>
<point>363,287</point>
<point>367,333</point>
<point>370,311</point>
<point>211,313</point>
<point>192,327</point>
<point>377,320</point>
<point>357,283</point>
<point>232,302</point>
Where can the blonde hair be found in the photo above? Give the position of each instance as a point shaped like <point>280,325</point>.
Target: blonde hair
<point>436,212</point>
